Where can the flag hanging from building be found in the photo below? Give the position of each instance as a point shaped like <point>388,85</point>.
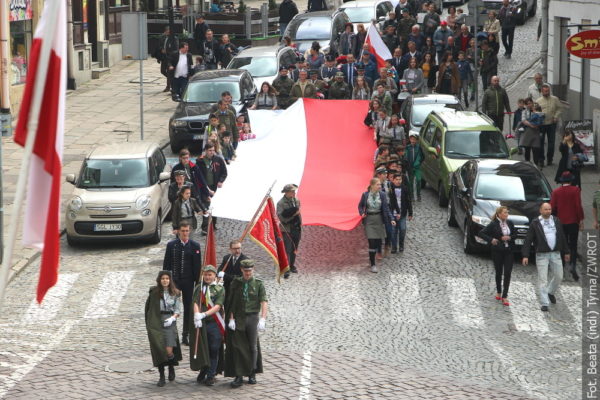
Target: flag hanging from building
<point>267,234</point>
<point>378,47</point>
<point>210,250</point>
<point>42,221</point>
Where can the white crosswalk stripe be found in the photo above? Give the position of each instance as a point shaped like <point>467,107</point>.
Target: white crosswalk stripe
<point>465,306</point>
<point>525,308</point>
<point>53,300</point>
<point>108,296</point>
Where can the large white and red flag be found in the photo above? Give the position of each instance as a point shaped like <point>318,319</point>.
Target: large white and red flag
<point>323,147</point>
<point>42,210</point>
<point>378,47</point>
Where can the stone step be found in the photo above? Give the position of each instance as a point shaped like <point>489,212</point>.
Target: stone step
<point>97,73</point>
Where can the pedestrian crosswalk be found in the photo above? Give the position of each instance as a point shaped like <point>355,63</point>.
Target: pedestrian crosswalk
<point>108,297</point>
<point>463,296</point>
<point>53,301</point>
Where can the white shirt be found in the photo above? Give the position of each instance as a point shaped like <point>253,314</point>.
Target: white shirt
<point>181,70</point>
<point>549,231</point>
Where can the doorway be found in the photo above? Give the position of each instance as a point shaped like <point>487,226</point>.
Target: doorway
<point>93,28</point>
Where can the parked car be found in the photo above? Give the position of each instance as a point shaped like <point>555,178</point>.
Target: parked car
<point>263,62</point>
<point>186,125</point>
<point>480,186</point>
<point>324,27</point>
<point>449,138</point>
<point>120,193</point>
<point>416,107</point>
<point>525,8</point>
<point>365,11</point>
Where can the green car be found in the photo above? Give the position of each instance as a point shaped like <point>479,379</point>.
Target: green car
<point>450,138</point>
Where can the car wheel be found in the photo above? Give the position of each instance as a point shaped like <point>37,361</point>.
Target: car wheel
<point>451,216</point>
<point>155,239</point>
<point>467,245</point>
<point>533,9</point>
<point>71,241</point>
<point>442,199</point>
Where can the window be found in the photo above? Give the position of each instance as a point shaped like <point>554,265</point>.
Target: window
<point>526,187</point>
<point>429,132</point>
<point>117,173</point>
<point>464,174</point>
<point>475,144</point>
<point>20,36</point>
<point>437,140</point>
<point>257,66</point>
<point>113,19</point>
<point>382,10</point>
<point>77,22</point>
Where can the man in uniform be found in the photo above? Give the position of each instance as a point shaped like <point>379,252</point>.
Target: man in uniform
<point>303,88</point>
<point>319,84</point>
<point>283,84</point>
<point>208,301</point>
<point>227,117</point>
<point>288,212</point>
<point>231,265</point>
<point>328,70</point>
<point>214,170</point>
<point>245,315</point>
<point>339,90</point>
<point>183,258</point>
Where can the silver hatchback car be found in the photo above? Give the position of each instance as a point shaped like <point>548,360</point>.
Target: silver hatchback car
<point>120,193</point>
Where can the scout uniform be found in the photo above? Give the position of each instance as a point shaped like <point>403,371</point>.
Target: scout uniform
<point>291,225</point>
<point>283,85</point>
<point>242,355</point>
<point>339,90</point>
<point>208,357</point>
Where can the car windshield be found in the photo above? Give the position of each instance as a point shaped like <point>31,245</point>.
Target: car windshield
<point>525,187</point>
<point>310,29</point>
<point>257,66</point>
<point>120,173</point>
<point>475,144</point>
<point>360,14</point>
<point>421,111</point>
<point>210,91</point>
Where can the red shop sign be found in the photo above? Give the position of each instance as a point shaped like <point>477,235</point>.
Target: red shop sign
<point>585,44</point>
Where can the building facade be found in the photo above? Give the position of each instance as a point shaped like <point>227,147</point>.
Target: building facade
<point>574,79</point>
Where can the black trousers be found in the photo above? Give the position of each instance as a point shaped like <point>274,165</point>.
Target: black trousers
<point>374,247</point>
<point>503,263</point>
<point>532,150</point>
<point>187,291</point>
<point>498,121</point>
<point>291,240</point>
<point>508,36</point>
<point>572,234</point>
<point>164,69</point>
<point>547,131</point>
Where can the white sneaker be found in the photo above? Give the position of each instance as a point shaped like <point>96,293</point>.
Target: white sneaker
<point>374,269</point>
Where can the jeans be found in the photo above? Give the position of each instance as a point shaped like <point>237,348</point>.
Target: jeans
<point>503,263</point>
<point>213,336</point>
<point>544,262</point>
<point>179,85</point>
<point>550,132</point>
<point>414,176</point>
<point>399,233</point>
<point>464,90</point>
<point>508,36</point>
<point>572,234</point>
<point>282,27</point>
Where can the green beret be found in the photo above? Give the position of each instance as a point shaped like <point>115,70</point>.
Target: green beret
<point>209,268</point>
<point>247,264</point>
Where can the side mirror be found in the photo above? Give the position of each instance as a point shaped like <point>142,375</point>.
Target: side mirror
<point>70,178</point>
<point>513,151</point>
<point>164,176</point>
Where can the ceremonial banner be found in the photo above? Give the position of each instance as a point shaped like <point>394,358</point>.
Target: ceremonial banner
<point>378,47</point>
<point>322,146</point>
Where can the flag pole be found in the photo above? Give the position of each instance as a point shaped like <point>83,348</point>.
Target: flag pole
<point>260,207</point>
<point>32,127</point>
<point>200,283</point>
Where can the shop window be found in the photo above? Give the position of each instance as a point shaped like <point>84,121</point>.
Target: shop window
<point>20,36</point>
<point>77,7</point>
<point>115,8</point>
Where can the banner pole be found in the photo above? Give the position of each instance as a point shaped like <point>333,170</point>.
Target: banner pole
<point>260,207</point>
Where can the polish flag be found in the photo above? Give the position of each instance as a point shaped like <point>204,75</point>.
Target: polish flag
<point>41,226</point>
<point>321,146</point>
<point>210,249</point>
<point>378,48</point>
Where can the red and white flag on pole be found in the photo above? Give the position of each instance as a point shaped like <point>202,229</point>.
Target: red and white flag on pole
<point>378,48</point>
<point>41,225</point>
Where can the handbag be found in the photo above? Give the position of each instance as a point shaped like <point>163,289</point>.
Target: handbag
<point>579,162</point>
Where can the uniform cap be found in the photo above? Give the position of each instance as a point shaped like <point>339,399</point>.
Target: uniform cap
<point>179,172</point>
<point>209,268</point>
<point>313,72</point>
<point>281,68</point>
<point>381,171</point>
<point>247,264</point>
<point>339,74</point>
<point>289,188</point>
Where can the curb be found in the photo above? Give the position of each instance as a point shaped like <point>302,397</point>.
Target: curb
<point>25,262</point>
<point>519,76</point>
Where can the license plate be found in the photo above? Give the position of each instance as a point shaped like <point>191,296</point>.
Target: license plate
<point>519,241</point>
<point>197,137</point>
<point>107,227</point>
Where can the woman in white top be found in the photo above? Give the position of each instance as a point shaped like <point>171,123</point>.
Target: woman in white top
<point>413,77</point>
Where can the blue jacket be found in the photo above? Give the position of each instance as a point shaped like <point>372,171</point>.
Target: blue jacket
<point>440,38</point>
<point>464,69</point>
<point>370,70</point>
<point>386,215</point>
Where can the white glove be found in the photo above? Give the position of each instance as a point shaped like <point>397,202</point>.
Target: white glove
<point>261,324</point>
<point>197,323</point>
<point>169,321</point>
<point>198,317</point>
<point>221,274</point>
<point>231,324</point>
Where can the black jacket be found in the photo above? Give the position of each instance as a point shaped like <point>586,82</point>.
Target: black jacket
<point>405,207</point>
<point>287,11</point>
<point>536,237</point>
<point>218,169</point>
<point>174,60</point>
<point>199,188</point>
<point>317,5</point>
<point>564,157</point>
<point>233,270</point>
<point>211,51</point>
<point>176,213</point>
<point>174,190</point>
<point>189,269</point>
<point>200,32</point>
<point>494,231</point>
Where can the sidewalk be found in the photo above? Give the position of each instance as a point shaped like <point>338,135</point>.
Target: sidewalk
<point>589,174</point>
<point>101,111</point>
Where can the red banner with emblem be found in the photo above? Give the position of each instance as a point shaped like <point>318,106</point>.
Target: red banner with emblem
<point>267,234</point>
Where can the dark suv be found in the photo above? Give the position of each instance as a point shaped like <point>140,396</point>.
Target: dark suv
<point>186,125</point>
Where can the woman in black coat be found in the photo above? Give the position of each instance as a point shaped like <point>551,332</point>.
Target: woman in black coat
<point>185,209</point>
<point>568,154</point>
<point>501,234</point>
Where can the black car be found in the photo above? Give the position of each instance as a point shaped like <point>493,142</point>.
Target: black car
<point>480,186</point>
<point>186,125</point>
<point>324,27</point>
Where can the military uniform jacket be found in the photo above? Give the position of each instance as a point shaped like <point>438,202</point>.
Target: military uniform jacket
<point>339,91</point>
<point>310,91</point>
<point>284,88</point>
<point>202,360</point>
<point>320,85</point>
<point>183,260</point>
<point>328,73</point>
<point>154,327</point>
<point>286,208</point>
